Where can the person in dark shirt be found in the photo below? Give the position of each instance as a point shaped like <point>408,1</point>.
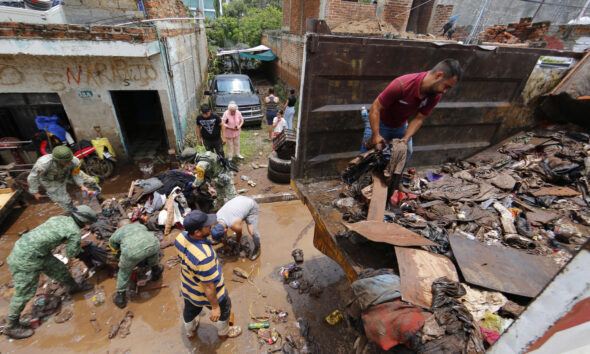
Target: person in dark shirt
<point>210,130</point>
<point>290,108</point>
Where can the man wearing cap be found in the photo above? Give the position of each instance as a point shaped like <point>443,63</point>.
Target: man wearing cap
<point>233,215</point>
<point>53,172</point>
<point>32,255</point>
<point>202,278</point>
<point>133,243</point>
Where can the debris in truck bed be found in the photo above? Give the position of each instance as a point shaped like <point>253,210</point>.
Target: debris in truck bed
<point>502,268</point>
<point>417,270</point>
<point>508,219</point>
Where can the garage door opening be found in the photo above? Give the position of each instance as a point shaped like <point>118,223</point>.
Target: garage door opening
<point>141,122</point>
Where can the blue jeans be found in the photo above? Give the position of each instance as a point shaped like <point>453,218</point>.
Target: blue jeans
<point>387,133</point>
<point>289,113</point>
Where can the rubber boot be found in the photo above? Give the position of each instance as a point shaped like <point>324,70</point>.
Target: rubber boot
<point>15,330</point>
<point>191,327</point>
<point>75,288</point>
<point>157,271</point>
<point>120,299</point>
<point>255,253</point>
<point>224,330</point>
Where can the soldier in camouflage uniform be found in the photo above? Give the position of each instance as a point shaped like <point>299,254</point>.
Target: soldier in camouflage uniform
<point>32,254</point>
<point>209,167</point>
<point>54,171</point>
<point>133,244</point>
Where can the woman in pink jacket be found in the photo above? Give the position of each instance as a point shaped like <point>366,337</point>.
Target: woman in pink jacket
<point>233,121</point>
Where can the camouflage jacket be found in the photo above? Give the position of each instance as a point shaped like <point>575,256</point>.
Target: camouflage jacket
<point>132,239</point>
<point>40,242</point>
<point>208,168</point>
<point>50,173</point>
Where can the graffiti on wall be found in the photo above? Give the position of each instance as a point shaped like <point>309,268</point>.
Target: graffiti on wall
<point>115,72</point>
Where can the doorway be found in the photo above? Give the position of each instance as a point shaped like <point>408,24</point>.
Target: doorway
<point>142,123</point>
<point>420,16</point>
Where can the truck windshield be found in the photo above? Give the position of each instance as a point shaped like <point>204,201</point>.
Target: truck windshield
<point>233,85</point>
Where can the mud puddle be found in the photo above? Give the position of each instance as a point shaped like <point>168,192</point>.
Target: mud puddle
<point>157,326</point>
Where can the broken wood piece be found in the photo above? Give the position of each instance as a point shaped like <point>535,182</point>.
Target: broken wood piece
<point>555,191</point>
<point>391,233</point>
<point>417,270</point>
<point>378,198</point>
<point>501,268</point>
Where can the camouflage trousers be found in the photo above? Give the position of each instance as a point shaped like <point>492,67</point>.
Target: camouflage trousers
<point>26,281</point>
<point>225,188</point>
<point>59,193</point>
<point>127,262</point>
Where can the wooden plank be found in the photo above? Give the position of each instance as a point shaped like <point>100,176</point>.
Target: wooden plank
<point>556,191</point>
<point>379,199</point>
<point>391,233</point>
<point>418,269</point>
<point>501,268</point>
<point>5,197</point>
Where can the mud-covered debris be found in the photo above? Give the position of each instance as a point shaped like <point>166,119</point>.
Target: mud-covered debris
<point>122,327</point>
<point>240,272</point>
<point>64,315</point>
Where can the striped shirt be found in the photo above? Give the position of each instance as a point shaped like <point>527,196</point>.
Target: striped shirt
<point>199,264</point>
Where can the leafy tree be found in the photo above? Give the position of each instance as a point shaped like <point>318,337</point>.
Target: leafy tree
<point>231,28</point>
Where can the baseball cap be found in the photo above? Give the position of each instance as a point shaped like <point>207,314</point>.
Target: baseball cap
<point>196,220</point>
<point>217,232</point>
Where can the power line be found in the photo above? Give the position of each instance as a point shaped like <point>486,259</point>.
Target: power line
<point>552,4</point>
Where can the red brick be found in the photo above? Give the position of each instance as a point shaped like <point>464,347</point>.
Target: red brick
<point>78,28</point>
<point>10,25</point>
<point>122,37</point>
<point>9,33</point>
<point>52,27</point>
<point>101,28</point>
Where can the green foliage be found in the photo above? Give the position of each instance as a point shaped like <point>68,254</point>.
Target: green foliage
<point>231,28</point>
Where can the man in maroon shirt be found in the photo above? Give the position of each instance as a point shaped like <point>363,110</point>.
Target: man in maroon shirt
<point>406,96</point>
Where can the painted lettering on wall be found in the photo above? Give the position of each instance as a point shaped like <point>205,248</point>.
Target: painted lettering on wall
<point>10,75</point>
<point>115,72</point>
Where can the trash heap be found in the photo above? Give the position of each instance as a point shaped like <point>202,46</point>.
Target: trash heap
<point>507,219</point>
<point>519,32</point>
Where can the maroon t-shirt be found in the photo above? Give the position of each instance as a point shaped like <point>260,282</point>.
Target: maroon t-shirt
<point>401,100</point>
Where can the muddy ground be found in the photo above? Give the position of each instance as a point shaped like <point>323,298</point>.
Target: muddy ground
<point>157,325</point>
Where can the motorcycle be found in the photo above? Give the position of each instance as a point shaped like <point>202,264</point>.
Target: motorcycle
<point>97,164</point>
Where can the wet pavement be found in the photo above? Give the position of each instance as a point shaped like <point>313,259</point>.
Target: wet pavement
<point>157,325</point>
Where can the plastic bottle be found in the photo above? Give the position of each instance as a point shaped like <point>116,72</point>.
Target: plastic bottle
<point>257,325</point>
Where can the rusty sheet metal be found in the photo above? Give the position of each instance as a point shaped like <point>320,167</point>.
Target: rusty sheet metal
<point>556,191</point>
<point>500,268</point>
<point>391,233</point>
<point>344,73</point>
<point>378,198</point>
<point>417,270</point>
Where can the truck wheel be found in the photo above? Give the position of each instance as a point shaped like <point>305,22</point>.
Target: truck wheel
<point>279,177</point>
<point>278,164</point>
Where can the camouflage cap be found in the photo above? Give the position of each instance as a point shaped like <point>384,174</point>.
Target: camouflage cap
<point>62,154</point>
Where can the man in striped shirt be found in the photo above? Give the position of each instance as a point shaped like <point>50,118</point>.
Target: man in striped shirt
<point>202,278</point>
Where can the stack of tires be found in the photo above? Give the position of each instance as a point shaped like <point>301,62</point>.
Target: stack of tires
<point>279,161</point>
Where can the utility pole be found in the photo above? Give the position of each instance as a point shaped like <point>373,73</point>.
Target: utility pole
<point>538,9</point>
<point>476,25</point>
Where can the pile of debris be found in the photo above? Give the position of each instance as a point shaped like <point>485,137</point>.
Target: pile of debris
<point>520,32</point>
<point>508,219</point>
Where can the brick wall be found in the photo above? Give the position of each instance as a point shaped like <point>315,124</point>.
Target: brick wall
<point>397,13</point>
<point>164,8</point>
<point>83,32</point>
<point>296,12</point>
<point>338,12</point>
<point>442,13</point>
<point>289,50</point>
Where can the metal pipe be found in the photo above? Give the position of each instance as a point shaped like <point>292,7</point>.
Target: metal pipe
<point>476,25</point>
<point>537,11</point>
<point>584,9</point>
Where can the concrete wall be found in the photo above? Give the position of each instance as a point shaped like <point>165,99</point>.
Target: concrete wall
<point>101,11</point>
<point>83,85</point>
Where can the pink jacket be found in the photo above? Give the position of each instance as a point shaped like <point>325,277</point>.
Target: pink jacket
<point>232,121</point>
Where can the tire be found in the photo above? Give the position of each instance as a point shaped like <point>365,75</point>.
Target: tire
<point>100,168</point>
<point>279,177</point>
<point>277,164</point>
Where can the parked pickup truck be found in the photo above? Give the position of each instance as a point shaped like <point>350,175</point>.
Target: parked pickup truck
<point>238,88</point>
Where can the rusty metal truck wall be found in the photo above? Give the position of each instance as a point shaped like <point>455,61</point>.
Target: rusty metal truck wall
<point>344,73</point>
